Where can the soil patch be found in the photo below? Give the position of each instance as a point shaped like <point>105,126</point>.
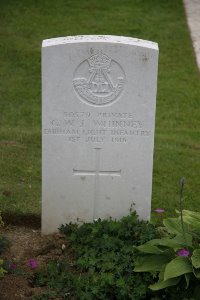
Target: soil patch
<point>28,220</point>
<point>26,244</point>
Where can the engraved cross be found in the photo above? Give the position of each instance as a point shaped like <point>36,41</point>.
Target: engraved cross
<point>97,172</point>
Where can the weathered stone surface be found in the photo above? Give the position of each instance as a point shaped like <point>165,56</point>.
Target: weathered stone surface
<point>99,98</point>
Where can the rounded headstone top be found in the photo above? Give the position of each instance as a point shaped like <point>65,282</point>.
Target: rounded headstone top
<point>99,38</point>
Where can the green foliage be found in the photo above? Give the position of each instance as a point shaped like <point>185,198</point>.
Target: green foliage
<point>105,256</point>
<point>175,258</point>
<point>4,243</point>
<point>196,258</point>
<point>192,218</point>
<point>177,267</point>
<point>2,270</point>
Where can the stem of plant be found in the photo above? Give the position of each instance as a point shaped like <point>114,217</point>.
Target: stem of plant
<point>182,183</point>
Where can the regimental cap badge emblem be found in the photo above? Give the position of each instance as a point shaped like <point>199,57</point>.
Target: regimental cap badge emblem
<point>99,80</point>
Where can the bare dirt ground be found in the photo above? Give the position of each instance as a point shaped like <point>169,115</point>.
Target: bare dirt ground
<point>27,243</point>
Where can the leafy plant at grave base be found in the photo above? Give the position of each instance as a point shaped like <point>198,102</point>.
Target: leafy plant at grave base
<point>4,243</point>
<point>104,263</point>
<point>175,257</point>
<point>2,270</point>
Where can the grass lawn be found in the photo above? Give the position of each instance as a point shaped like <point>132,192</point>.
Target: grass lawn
<point>24,24</point>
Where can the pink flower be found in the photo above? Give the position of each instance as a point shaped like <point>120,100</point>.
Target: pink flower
<point>13,266</point>
<point>159,210</point>
<point>32,263</point>
<point>183,252</point>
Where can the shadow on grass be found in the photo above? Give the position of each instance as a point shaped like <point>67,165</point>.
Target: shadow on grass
<point>28,220</point>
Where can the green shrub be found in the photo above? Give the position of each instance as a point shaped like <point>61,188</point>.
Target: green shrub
<point>104,262</point>
<point>2,270</point>
<point>4,243</point>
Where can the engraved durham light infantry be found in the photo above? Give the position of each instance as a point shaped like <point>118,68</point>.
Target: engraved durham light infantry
<point>99,80</point>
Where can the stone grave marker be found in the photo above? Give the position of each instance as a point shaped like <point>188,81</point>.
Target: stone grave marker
<point>99,101</point>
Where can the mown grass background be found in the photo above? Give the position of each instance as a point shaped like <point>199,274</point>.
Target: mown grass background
<point>23,26</point>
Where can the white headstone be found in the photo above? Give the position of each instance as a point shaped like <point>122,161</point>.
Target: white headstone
<point>99,100</point>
